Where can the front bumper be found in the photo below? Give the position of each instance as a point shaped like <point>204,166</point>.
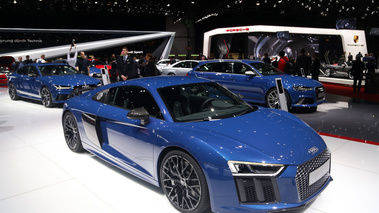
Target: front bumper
<point>308,98</point>
<point>290,190</point>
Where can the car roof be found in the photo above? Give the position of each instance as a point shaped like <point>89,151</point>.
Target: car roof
<point>159,81</point>
<point>247,61</point>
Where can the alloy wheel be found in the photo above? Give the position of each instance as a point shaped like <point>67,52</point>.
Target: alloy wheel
<point>71,133</point>
<point>46,97</point>
<point>182,183</point>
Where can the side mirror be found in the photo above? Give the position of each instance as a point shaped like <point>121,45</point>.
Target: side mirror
<point>139,114</point>
<point>250,73</point>
<point>32,75</point>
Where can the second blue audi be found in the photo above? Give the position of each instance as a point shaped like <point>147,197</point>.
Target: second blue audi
<point>50,83</point>
<point>255,82</point>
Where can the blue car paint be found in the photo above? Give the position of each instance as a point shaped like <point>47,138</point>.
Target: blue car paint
<point>265,135</point>
<point>254,89</point>
<point>30,87</point>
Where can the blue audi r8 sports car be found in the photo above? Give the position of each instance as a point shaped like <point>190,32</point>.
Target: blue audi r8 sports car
<point>202,144</point>
<point>255,82</point>
<point>50,83</point>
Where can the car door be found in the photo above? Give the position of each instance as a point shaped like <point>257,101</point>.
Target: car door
<point>250,87</point>
<point>182,68</point>
<point>32,82</point>
<point>126,139</point>
<point>18,79</point>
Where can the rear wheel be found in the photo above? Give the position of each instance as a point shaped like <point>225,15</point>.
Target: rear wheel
<point>71,133</point>
<point>184,183</point>
<point>46,97</point>
<point>13,92</point>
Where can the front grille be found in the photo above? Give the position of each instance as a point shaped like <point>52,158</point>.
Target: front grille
<point>302,176</point>
<point>257,190</point>
<point>78,90</point>
<point>320,93</point>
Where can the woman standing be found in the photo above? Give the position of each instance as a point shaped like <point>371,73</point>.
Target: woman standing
<point>150,69</point>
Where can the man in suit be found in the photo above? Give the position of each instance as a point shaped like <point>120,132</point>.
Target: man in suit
<point>126,66</point>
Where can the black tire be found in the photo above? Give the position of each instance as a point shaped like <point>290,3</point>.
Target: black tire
<point>46,98</point>
<point>13,92</point>
<point>350,75</point>
<point>328,72</point>
<point>171,73</point>
<point>272,99</point>
<point>184,183</point>
<point>71,133</point>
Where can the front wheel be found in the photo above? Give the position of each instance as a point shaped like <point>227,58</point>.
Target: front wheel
<point>71,133</point>
<point>328,72</point>
<point>46,97</point>
<point>350,74</point>
<point>13,92</point>
<point>184,183</point>
<point>272,99</point>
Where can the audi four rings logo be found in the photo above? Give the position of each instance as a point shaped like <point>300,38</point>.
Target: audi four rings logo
<point>237,30</point>
<point>86,86</point>
<point>313,150</point>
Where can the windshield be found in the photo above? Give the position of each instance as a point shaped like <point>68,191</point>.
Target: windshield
<point>202,102</point>
<point>266,69</point>
<point>50,70</point>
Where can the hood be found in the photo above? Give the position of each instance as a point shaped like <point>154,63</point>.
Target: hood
<point>78,79</point>
<point>273,136</point>
<point>291,80</point>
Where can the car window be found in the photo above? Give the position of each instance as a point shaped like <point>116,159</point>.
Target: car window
<point>202,102</point>
<point>241,68</point>
<point>223,67</point>
<point>23,70</point>
<point>266,69</point>
<point>194,64</point>
<point>131,97</point>
<point>33,70</point>
<point>50,70</point>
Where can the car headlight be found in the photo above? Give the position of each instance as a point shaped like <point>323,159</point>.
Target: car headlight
<point>302,88</point>
<point>60,87</point>
<point>99,84</point>
<point>239,168</point>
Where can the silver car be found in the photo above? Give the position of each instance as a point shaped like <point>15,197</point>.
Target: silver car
<point>340,68</point>
<point>180,68</point>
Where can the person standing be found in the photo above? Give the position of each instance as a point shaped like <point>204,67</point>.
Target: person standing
<point>302,63</point>
<point>42,59</point>
<point>283,62</point>
<point>150,69</point>
<point>17,64</point>
<point>315,67</point>
<point>357,69</point>
<point>126,67</point>
<point>82,64</point>
<point>350,58</point>
<point>266,59</point>
<point>72,60</point>
<point>28,60</point>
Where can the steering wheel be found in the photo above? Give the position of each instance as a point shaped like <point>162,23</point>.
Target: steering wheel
<point>207,103</point>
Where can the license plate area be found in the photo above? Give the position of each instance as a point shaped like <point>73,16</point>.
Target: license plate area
<point>319,173</point>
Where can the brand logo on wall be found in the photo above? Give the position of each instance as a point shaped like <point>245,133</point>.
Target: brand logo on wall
<point>237,30</point>
<point>356,38</point>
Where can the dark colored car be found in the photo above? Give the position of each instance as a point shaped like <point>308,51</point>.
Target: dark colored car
<point>255,82</point>
<point>205,146</point>
<point>50,83</point>
<point>343,68</point>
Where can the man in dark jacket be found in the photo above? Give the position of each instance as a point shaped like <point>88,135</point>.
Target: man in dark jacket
<point>126,67</point>
<point>302,62</point>
<point>358,68</point>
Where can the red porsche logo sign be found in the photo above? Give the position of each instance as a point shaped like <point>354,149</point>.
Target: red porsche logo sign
<point>237,30</point>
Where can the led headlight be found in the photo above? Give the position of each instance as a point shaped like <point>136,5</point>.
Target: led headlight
<point>302,88</point>
<point>239,168</point>
<point>99,84</point>
<point>60,87</point>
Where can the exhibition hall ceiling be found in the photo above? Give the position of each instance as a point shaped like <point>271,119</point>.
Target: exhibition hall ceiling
<point>198,10</point>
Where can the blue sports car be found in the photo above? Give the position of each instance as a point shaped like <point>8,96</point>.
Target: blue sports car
<point>50,83</point>
<point>255,82</point>
<point>202,144</point>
